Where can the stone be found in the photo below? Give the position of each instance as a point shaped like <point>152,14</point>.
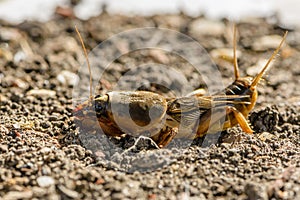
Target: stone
<point>45,181</point>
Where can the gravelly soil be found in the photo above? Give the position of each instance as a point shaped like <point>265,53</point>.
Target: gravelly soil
<point>43,155</point>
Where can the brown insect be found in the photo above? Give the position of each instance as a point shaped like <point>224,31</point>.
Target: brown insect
<point>163,118</point>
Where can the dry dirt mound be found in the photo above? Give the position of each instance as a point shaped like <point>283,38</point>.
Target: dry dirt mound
<point>42,156</point>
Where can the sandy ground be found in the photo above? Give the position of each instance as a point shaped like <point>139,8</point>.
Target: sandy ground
<point>44,155</point>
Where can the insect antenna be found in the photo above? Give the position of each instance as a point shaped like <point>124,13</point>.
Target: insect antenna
<point>235,64</point>
<point>88,62</point>
<point>261,73</point>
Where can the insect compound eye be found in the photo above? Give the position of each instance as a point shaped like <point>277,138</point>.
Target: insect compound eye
<point>98,106</point>
<point>98,103</point>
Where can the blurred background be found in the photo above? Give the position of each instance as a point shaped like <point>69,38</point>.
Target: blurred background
<point>287,11</point>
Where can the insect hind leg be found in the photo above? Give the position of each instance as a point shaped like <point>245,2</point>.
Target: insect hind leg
<point>240,119</point>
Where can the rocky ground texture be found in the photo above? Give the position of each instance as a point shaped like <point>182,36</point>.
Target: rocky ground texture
<point>44,156</point>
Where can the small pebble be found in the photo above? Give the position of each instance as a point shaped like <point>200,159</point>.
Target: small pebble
<point>225,54</point>
<point>46,150</point>
<point>7,34</point>
<point>206,27</point>
<point>45,181</point>
<point>3,98</point>
<point>67,77</point>
<point>19,56</point>
<point>41,93</point>
<point>256,191</point>
<point>70,193</point>
<point>266,42</point>
<point>14,195</point>
<point>3,148</point>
